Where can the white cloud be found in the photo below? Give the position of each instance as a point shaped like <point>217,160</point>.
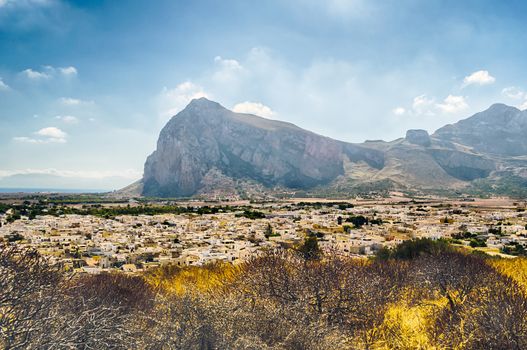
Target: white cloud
<point>3,86</point>
<point>25,139</point>
<point>422,104</point>
<point>255,108</point>
<point>514,93</point>
<point>228,71</point>
<point>68,71</point>
<point>398,111</point>
<point>35,75</point>
<point>227,63</point>
<point>421,101</point>
<point>453,104</point>
<point>49,72</point>
<point>171,101</point>
<point>68,119</point>
<point>481,77</point>
<point>68,101</point>
<point>50,134</point>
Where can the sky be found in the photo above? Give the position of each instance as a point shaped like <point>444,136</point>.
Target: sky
<point>86,86</point>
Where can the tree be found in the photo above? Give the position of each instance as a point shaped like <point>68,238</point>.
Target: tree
<point>27,297</point>
<point>474,243</point>
<point>414,248</point>
<point>43,308</point>
<point>310,249</point>
<point>268,231</point>
<point>446,220</point>
<point>357,221</point>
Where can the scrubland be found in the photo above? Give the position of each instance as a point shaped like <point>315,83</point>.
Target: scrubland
<point>421,295</point>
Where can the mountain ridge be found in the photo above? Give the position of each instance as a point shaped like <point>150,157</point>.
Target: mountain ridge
<point>206,138</point>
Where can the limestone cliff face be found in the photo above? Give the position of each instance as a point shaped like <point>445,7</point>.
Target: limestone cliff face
<point>207,136</point>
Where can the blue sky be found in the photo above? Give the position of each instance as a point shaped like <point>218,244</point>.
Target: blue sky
<point>86,86</point>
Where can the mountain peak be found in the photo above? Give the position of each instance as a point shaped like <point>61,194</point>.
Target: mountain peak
<point>203,102</point>
<point>500,107</point>
<point>500,130</point>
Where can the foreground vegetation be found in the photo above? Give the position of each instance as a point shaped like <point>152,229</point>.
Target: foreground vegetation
<point>421,295</point>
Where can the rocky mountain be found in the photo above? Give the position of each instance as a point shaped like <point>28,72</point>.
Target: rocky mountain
<point>207,137</point>
<point>207,148</point>
<point>500,130</point>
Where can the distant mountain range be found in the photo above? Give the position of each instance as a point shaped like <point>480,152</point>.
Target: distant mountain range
<point>207,149</point>
<point>27,181</point>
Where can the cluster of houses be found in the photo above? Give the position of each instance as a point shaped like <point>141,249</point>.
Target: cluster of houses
<point>133,243</point>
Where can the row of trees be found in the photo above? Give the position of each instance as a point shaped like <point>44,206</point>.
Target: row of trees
<point>423,294</point>
<point>31,210</point>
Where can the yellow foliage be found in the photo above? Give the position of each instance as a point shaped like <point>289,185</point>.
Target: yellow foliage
<point>513,268</point>
<point>191,279</point>
<point>406,326</point>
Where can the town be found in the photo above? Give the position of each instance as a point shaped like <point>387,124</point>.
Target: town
<point>194,236</point>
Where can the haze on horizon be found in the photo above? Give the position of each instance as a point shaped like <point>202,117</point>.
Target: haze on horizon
<point>86,86</point>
